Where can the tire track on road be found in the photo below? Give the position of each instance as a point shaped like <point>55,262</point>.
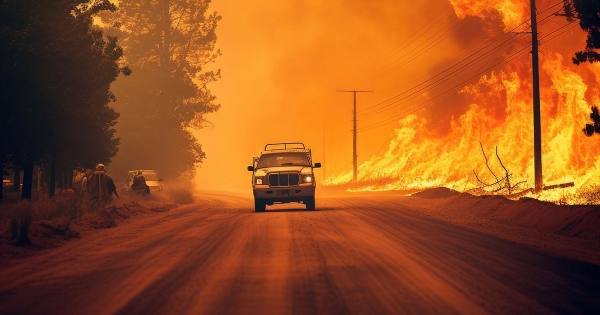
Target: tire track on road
<point>481,265</point>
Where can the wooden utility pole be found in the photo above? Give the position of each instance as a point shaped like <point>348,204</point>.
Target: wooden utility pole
<point>537,129</point>
<point>354,153</point>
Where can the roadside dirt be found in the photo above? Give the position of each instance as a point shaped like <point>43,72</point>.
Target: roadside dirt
<point>353,255</point>
<point>569,231</point>
<point>51,233</point>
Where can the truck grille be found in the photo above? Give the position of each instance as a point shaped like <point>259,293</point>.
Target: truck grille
<point>284,179</point>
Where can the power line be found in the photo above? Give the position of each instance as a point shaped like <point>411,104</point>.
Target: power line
<point>547,18</point>
<point>422,105</point>
<point>419,52</point>
<point>513,56</point>
<point>417,79</point>
<point>512,39</point>
<point>541,22</point>
<point>550,7</point>
<point>432,21</point>
<point>437,41</point>
<point>430,44</point>
<point>463,56</point>
<point>444,78</point>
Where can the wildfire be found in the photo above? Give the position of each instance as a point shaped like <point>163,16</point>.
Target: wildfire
<point>513,12</point>
<point>499,114</point>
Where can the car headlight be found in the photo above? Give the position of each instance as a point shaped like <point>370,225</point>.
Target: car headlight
<point>260,180</point>
<point>307,179</point>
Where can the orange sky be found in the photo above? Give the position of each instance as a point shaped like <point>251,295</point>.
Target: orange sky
<point>283,61</point>
<point>281,65</point>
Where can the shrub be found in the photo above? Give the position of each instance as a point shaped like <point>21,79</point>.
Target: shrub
<point>54,208</point>
<point>20,215</point>
<point>181,195</point>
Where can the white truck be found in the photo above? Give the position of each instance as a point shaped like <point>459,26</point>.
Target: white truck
<point>283,173</point>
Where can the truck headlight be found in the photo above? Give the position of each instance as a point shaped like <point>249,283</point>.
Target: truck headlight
<point>307,179</point>
<point>259,180</point>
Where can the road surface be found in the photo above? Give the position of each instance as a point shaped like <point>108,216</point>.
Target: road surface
<point>354,255</point>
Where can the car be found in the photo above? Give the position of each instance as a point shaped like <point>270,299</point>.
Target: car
<point>152,180</point>
<point>283,173</point>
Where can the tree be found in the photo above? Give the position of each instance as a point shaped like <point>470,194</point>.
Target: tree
<point>167,43</point>
<point>590,129</point>
<point>56,69</point>
<point>588,14</point>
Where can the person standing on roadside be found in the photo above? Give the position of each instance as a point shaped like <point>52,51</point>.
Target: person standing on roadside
<point>97,185</point>
<point>85,193</point>
<point>112,188</point>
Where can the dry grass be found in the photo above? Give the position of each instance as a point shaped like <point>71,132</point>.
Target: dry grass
<point>45,223</point>
<point>20,216</point>
<point>22,213</point>
<point>54,208</point>
<point>589,196</point>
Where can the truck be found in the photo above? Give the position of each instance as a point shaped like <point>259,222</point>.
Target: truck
<point>283,173</point>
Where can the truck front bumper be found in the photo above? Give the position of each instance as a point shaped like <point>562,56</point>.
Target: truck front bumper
<point>283,194</point>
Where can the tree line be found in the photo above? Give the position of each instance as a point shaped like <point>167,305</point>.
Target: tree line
<point>587,12</point>
<point>170,45</point>
<point>58,66</point>
<point>56,71</point>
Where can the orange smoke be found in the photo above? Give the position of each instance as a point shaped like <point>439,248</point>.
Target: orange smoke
<point>500,114</point>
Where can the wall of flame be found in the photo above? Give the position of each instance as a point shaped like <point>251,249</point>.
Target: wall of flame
<point>499,114</point>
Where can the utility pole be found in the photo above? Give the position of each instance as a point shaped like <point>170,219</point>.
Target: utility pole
<point>537,129</point>
<point>354,153</point>
<point>324,146</point>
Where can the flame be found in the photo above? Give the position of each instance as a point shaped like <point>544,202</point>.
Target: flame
<point>500,114</point>
<point>513,12</point>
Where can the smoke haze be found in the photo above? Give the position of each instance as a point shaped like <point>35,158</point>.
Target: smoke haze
<point>281,65</point>
<point>283,61</point>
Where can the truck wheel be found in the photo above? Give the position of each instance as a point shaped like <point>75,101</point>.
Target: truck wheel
<point>259,205</point>
<point>310,203</point>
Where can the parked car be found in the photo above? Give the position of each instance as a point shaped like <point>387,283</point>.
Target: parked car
<point>152,180</point>
<point>6,183</point>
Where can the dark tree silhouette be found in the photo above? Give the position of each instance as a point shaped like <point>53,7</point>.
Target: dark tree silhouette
<point>167,43</point>
<point>588,14</point>
<point>56,72</point>
<point>590,129</point>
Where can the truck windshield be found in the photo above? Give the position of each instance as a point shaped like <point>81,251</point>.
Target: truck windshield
<point>283,159</point>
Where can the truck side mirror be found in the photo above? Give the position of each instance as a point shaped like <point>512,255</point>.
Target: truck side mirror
<point>317,165</point>
<point>250,169</point>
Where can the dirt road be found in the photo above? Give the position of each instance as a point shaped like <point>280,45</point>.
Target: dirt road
<point>354,255</point>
